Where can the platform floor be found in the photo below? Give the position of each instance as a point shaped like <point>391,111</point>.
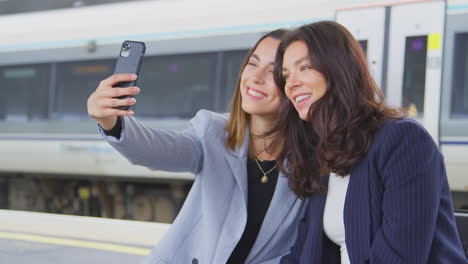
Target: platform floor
<point>22,248</point>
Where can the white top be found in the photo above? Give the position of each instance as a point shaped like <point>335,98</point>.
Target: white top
<point>333,222</point>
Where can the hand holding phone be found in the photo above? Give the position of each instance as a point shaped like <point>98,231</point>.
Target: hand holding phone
<point>108,101</point>
<point>129,61</point>
<point>103,104</point>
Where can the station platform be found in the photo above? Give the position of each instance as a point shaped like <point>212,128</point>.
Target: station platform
<point>29,237</point>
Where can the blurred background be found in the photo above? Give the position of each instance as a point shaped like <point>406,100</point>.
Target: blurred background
<point>23,6</point>
<point>54,53</point>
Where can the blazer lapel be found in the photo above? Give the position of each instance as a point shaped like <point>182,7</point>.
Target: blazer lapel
<point>238,162</point>
<point>237,214</point>
<point>283,199</point>
<point>357,215</point>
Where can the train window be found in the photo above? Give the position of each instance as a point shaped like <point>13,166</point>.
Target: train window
<point>460,76</point>
<point>363,44</point>
<point>414,77</point>
<point>76,81</point>
<point>25,92</point>
<point>176,85</point>
<point>232,64</point>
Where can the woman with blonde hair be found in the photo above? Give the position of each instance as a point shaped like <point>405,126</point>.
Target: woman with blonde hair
<point>240,209</point>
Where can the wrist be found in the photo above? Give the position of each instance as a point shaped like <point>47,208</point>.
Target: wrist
<point>107,123</point>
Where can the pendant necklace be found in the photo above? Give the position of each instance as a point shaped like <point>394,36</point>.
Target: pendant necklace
<point>264,178</point>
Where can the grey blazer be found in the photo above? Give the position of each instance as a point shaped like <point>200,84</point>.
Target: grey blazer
<point>214,215</point>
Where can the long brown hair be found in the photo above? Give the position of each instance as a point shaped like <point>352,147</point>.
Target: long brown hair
<point>341,125</point>
<point>238,118</point>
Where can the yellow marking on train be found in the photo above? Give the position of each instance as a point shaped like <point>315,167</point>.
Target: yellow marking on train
<point>434,41</point>
<point>76,243</point>
<point>84,192</point>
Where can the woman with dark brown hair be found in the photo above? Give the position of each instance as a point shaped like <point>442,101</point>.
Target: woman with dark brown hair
<point>376,180</point>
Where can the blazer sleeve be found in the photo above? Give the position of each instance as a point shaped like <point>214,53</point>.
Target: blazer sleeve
<point>294,256</point>
<point>160,149</point>
<point>412,172</point>
<point>275,260</point>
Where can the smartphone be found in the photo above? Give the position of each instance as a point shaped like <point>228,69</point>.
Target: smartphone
<point>129,61</point>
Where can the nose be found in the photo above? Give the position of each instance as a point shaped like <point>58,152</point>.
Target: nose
<point>292,82</point>
<point>259,76</point>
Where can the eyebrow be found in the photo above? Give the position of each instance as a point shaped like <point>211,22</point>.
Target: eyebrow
<point>258,58</point>
<point>255,57</point>
<point>299,61</point>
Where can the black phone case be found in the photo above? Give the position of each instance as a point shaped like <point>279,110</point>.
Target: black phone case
<point>130,64</point>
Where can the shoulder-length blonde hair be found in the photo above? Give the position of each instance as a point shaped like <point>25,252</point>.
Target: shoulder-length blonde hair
<point>238,118</point>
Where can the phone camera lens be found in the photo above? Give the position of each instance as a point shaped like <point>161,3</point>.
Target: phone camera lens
<point>125,50</point>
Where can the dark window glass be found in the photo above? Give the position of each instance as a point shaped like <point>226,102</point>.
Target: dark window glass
<point>460,76</point>
<point>76,81</point>
<point>414,77</point>
<point>176,85</point>
<point>24,92</point>
<point>232,64</point>
<point>363,44</point>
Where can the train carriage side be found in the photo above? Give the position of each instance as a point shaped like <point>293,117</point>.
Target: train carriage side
<point>454,102</point>
<point>52,157</point>
<point>53,160</point>
<point>418,59</point>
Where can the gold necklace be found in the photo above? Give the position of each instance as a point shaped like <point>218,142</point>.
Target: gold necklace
<point>264,178</point>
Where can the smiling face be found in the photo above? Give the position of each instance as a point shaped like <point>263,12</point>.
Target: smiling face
<point>260,95</point>
<point>303,84</point>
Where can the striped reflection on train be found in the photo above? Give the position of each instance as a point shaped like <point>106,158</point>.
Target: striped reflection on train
<point>53,159</point>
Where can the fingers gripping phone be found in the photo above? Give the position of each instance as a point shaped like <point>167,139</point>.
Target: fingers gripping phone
<point>129,61</point>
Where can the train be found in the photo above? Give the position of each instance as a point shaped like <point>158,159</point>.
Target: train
<point>52,158</point>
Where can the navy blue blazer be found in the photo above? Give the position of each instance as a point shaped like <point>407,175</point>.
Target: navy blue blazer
<point>398,207</point>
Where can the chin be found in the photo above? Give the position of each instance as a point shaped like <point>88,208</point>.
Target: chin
<point>249,109</point>
<point>256,111</point>
<point>303,116</point>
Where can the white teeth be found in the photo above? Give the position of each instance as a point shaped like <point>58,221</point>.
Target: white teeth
<point>302,97</point>
<point>255,93</point>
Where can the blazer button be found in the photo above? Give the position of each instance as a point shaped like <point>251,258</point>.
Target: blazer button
<point>194,261</point>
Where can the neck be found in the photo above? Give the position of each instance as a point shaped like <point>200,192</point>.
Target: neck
<point>258,145</point>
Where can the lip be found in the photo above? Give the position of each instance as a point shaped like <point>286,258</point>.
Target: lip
<point>301,103</point>
<point>254,97</point>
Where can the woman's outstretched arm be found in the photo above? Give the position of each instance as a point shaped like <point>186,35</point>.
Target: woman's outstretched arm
<point>153,148</point>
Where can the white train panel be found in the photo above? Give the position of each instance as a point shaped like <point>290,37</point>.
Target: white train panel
<point>73,157</point>
<point>456,162</point>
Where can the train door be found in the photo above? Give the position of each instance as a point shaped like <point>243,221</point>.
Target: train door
<point>415,61</point>
<point>454,107</point>
<point>368,26</point>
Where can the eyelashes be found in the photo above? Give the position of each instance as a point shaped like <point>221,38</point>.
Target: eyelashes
<point>301,69</point>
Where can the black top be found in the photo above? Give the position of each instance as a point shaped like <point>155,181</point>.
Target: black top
<point>259,196</point>
<point>116,130</point>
